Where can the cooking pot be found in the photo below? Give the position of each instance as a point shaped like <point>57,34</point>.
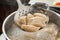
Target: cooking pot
<point>9,21</point>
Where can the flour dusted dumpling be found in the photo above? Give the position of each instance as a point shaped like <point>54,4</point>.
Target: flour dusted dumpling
<point>30,28</point>
<point>21,20</point>
<point>29,16</point>
<point>37,21</point>
<point>45,18</point>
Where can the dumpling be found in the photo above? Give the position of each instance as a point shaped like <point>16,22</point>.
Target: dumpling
<point>30,28</point>
<point>37,21</point>
<point>29,16</point>
<point>21,20</point>
<point>46,19</point>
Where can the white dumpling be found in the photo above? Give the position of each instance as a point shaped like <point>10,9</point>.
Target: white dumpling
<point>29,16</point>
<point>30,28</point>
<point>21,20</point>
<point>46,19</point>
<point>37,21</point>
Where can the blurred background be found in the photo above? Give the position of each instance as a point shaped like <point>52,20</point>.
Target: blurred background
<point>9,6</point>
<point>6,8</point>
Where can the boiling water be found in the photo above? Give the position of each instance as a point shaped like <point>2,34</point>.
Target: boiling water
<point>47,33</point>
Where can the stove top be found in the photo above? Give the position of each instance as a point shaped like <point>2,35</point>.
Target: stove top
<point>51,8</point>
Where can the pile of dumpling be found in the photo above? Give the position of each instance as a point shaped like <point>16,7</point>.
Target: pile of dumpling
<point>32,23</point>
